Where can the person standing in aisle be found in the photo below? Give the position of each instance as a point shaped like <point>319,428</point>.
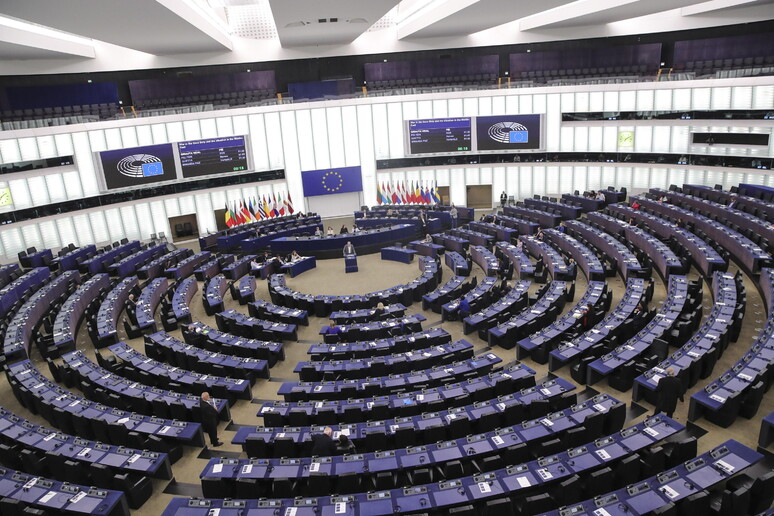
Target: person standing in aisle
<point>669,389</point>
<point>210,418</point>
<point>503,199</point>
<point>453,214</point>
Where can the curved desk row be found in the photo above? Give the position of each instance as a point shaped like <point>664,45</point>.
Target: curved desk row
<point>510,409</point>
<point>518,259</point>
<point>13,292</point>
<point>583,256</point>
<point>187,266</point>
<point>133,395</point>
<point>103,260</point>
<point>501,310</point>
<point>498,232</point>
<point>36,392</point>
<point>68,317</point>
<point>142,368</point>
<point>233,238</point>
<point>539,344</point>
<point>157,266</point>
<point>71,260</point>
<point>524,227</point>
<point>452,289</point>
<point>203,336</point>
<point>163,346</point>
<point>626,261</point>
<point>397,363</point>
<point>263,309</point>
<point>238,267</point>
<point>565,210</point>
<point>213,267</point>
<point>147,303</point>
<point>264,241</point>
<point>696,358</point>
<point>530,319</point>
<point>485,259</point>
<point>374,329</point>
<point>243,325</point>
<point>677,302</point>
<point>553,260</point>
<point>579,460</point>
<point>214,291</point>
<point>500,384</point>
<point>365,242</point>
<point>602,332</point>
<point>322,306</point>
<point>331,390</point>
<point>704,256</point>
<point>18,335</point>
<point>129,265</point>
<point>181,299</point>
<point>477,297</point>
<point>110,308</point>
<point>378,347</point>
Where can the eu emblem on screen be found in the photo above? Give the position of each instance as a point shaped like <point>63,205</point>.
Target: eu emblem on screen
<point>152,169</point>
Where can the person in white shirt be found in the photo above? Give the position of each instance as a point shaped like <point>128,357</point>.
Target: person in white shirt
<point>428,238</point>
<point>600,196</point>
<point>294,256</point>
<point>330,231</point>
<point>318,232</point>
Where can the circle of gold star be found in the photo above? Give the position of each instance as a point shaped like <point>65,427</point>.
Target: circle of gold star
<point>332,176</point>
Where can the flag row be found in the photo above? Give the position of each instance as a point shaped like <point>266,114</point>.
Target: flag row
<point>407,192</point>
<point>253,210</point>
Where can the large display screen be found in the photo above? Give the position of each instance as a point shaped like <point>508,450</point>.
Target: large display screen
<point>138,166</point>
<point>508,132</point>
<point>439,135</point>
<point>213,156</point>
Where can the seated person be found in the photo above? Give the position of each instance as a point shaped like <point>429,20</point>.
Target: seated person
<point>318,232</point>
<point>330,231</point>
<point>464,308</point>
<point>254,264</point>
<point>344,446</point>
<point>349,249</point>
<point>428,239</point>
<point>323,444</point>
<point>279,259</point>
<point>379,310</point>
<point>343,230</point>
<point>294,256</point>
<point>355,229</point>
<point>333,329</point>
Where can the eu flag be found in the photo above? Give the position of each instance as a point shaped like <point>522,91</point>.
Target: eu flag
<point>332,181</point>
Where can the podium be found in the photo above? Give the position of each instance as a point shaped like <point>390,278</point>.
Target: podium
<point>350,263</point>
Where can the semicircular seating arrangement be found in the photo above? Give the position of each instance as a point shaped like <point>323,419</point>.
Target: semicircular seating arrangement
<point>518,384</point>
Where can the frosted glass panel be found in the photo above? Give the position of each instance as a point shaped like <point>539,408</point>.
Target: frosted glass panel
<point>581,139</point>
<point>552,180</point>
<point>395,126</point>
<point>440,109</point>
<point>9,151</point>
<point>525,182</point>
<point>55,187</point>
<point>131,226</point>
<point>49,235</point>
<point>28,148</point>
<point>721,98</point>
<point>682,99</point>
<point>160,133</point>
<point>763,97</point>
<point>274,138</point>
<point>224,126</point>
<point>175,131</point>
<point>205,214</point>
<point>305,143</point>
<point>47,147</point>
<point>567,102</point>
<point>424,109</point>
<point>498,106</point>
<point>471,176</point>
<point>192,130</point>
<point>381,134</point>
<point>565,180</point>
<point>596,101</point>
<point>97,140</point>
<point>611,101</point>
<point>84,235</point>
<point>38,190</point>
<point>85,164</point>
<point>12,241</point>
<point>663,100</point>
<point>72,183</point>
<point>67,232</point>
<point>159,214</point>
<point>484,106</point>
<point>319,130</point>
<point>64,144</point>
<point>553,123</point>
<point>209,128</point>
<point>641,177</point>
<point>113,139</point>
<point>99,227</point>
<point>595,138</point>
<point>485,176</point>
<point>350,127</point>
<point>701,98</point>
<point>115,225</point>
<point>627,100</point>
<point>145,136</point>
<point>645,100</point>
<point>741,97</point>
<point>610,139</point>
<point>20,193</point>
<point>643,136</point>
<point>144,219</point>
<point>567,135</point>
<point>31,236</point>
<point>257,138</point>
<point>172,208</point>
<point>187,204</point>
<point>129,137</point>
<point>582,101</point>
<point>525,105</point>
<point>470,107</point>
<point>455,107</point>
<point>336,137</point>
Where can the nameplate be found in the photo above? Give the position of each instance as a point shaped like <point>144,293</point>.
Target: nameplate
<point>217,468</point>
<point>650,432</point>
<point>523,482</point>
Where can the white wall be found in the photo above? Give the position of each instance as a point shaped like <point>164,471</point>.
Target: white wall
<point>353,132</point>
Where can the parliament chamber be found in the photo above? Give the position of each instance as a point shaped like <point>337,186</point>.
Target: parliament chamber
<point>409,258</point>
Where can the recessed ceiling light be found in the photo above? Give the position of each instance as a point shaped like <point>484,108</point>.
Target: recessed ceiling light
<point>295,24</point>
<point>357,20</point>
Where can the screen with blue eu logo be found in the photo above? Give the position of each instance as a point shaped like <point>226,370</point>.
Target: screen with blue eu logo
<point>332,181</point>
<point>508,132</point>
<point>138,166</point>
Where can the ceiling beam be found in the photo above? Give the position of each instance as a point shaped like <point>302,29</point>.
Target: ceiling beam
<point>19,32</point>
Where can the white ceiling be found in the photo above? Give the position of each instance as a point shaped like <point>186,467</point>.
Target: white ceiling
<point>302,23</point>
<point>78,36</point>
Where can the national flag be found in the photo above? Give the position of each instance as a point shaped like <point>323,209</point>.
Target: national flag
<point>245,211</point>
<point>281,205</point>
<point>250,209</point>
<point>289,204</point>
<point>266,207</point>
<point>434,193</point>
<point>274,210</point>
<point>259,207</point>
<point>254,209</point>
<point>418,193</point>
<point>403,197</point>
<point>378,194</point>
<point>230,222</point>
<point>394,194</point>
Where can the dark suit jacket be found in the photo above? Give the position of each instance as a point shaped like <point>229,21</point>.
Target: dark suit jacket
<point>669,389</point>
<point>323,445</point>
<point>209,414</point>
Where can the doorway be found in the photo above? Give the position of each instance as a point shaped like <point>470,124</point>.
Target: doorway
<point>479,196</point>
